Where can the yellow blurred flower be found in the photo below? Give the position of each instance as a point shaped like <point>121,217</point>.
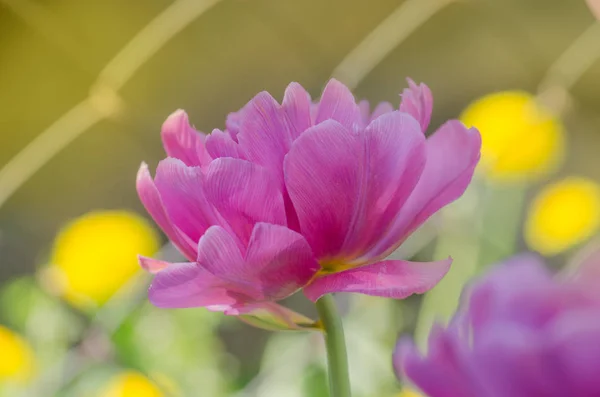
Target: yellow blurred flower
<point>131,384</point>
<point>96,254</point>
<point>562,215</point>
<point>521,140</point>
<point>17,361</point>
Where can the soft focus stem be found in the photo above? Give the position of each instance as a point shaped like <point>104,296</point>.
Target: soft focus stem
<point>337,358</point>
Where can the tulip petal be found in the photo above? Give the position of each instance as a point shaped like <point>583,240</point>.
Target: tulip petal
<point>394,279</point>
<point>152,265</point>
<point>232,124</point>
<point>444,372</point>
<point>323,180</point>
<point>510,360</point>
<point>153,203</point>
<point>381,109</point>
<point>278,261</point>
<point>183,194</point>
<point>365,112</point>
<point>264,134</point>
<point>337,103</point>
<point>525,279</point>
<point>417,101</point>
<point>452,154</point>
<point>573,344</point>
<point>182,141</point>
<point>296,105</point>
<point>347,187</point>
<point>281,260</point>
<point>220,144</point>
<point>394,158</point>
<point>219,253</point>
<point>244,194</point>
<point>183,285</point>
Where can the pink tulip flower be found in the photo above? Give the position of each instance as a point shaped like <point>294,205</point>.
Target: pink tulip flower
<point>303,194</point>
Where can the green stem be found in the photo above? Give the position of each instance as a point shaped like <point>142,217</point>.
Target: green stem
<point>337,359</point>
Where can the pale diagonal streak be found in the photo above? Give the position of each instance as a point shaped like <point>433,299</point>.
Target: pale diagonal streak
<point>387,36</point>
<point>87,113</point>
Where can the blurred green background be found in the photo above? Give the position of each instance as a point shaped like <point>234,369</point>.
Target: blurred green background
<point>85,86</point>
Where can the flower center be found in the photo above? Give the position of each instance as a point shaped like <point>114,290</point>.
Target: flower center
<point>334,266</point>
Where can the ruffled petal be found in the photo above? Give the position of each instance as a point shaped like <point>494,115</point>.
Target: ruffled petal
<point>244,194</point>
<point>573,345</point>
<point>381,109</point>
<point>417,101</point>
<point>394,157</point>
<point>347,187</point>
<point>337,103</point>
<point>183,194</point>
<point>232,124</point>
<point>365,112</point>
<point>220,144</point>
<point>182,141</point>
<point>322,177</point>
<point>281,260</point>
<point>445,371</point>
<point>394,279</point>
<point>219,253</point>
<point>278,261</point>
<point>523,279</point>
<point>153,203</point>
<point>296,105</point>
<point>511,361</point>
<point>452,154</point>
<point>183,285</point>
<point>265,135</point>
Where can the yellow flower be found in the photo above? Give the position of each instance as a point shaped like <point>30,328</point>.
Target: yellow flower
<point>17,361</point>
<point>562,215</point>
<point>521,140</point>
<point>96,254</point>
<point>131,384</point>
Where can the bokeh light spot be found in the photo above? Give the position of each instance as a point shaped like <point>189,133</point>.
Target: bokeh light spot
<point>96,254</point>
<point>18,361</point>
<point>562,215</point>
<point>521,140</point>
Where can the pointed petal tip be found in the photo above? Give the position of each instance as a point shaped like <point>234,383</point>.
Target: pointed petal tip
<point>143,178</point>
<point>152,265</point>
<point>411,82</point>
<point>175,123</point>
<point>178,114</point>
<point>143,170</point>
<point>333,80</point>
<point>417,100</point>
<point>335,84</point>
<point>294,85</point>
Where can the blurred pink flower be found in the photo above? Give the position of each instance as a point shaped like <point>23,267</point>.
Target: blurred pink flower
<point>303,194</point>
<point>595,7</point>
<point>520,331</point>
